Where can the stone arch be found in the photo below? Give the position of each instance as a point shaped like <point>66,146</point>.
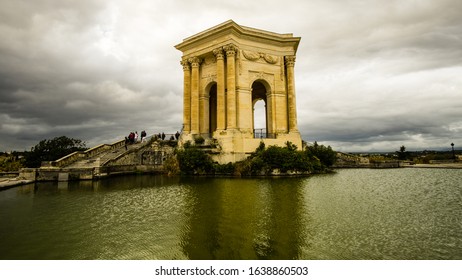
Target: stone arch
<point>261,91</point>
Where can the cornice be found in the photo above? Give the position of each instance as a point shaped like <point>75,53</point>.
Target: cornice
<point>231,28</point>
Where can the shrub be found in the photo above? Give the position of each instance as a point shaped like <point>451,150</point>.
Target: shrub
<point>258,166</point>
<point>199,140</point>
<point>172,166</point>
<point>194,161</point>
<point>8,164</point>
<point>224,168</point>
<point>326,155</point>
<point>286,158</point>
<point>243,168</point>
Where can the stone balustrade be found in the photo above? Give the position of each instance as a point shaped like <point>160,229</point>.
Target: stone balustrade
<point>85,154</point>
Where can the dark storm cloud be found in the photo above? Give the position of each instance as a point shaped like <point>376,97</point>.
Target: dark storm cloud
<point>369,74</point>
<point>63,71</point>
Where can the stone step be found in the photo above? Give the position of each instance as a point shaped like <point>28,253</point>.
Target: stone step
<point>103,157</point>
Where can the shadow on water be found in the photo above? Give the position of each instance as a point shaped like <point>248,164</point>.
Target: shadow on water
<point>243,219</point>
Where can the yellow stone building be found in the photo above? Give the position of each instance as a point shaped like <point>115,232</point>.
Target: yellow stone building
<point>227,69</point>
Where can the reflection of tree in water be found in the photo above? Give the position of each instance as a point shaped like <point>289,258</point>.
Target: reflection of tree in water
<point>243,219</point>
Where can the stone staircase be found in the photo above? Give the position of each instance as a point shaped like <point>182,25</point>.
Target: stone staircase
<point>104,160</point>
<point>103,157</point>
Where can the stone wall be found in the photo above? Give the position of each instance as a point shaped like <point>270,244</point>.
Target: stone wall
<point>148,159</point>
<point>154,154</point>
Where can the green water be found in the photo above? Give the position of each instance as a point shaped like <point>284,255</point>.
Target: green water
<point>353,214</point>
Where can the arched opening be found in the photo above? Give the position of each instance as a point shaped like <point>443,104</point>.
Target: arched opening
<point>259,114</point>
<point>213,108</point>
<point>260,110</point>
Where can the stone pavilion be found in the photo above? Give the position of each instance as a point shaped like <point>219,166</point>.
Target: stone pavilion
<point>227,70</point>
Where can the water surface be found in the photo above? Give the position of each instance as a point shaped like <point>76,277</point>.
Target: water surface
<point>353,214</point>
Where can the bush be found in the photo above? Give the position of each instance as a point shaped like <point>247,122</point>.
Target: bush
<point>199,140</point>
<point>8,164</point>
<point>194,161</point>
<point>316,164</point>
<point>263,161</point>
<point>258,166</point>
<point>325,155</point>
<point>224,168</point>
<point>286,158</point>
<point>172,166</point>
<point>242,168</point>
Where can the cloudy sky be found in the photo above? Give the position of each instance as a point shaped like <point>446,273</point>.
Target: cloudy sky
<point>370,75</point>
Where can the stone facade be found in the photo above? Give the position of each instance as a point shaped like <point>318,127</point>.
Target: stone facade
<point>227,69</point>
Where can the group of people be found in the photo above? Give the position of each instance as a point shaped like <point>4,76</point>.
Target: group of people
<point>132,137</point>
<point>162,136</point>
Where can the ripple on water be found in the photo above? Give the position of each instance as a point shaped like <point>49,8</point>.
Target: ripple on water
<point>385,214</point>
<point>353,214</point>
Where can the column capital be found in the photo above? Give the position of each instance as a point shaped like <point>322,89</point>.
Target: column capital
<point>290,60</point>
<point>230,49</point>
<point>218,52</point>
<point>195,61</point>
<point>185,64</point>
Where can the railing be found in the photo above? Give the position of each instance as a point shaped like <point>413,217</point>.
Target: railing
<point>75,156</point>
<point>86,154</point>
<point>262,134</point>
<point>166,137</point>
<point>9,174</point>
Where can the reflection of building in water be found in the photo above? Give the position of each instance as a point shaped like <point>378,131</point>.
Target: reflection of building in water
<point>228,69</point>
<point>255,220</point>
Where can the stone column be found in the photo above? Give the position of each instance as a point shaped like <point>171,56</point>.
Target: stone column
<point>221,109</point>
<point>244,108</point>
<point>195,61</point>
<point>186,96</point>
<point>231,84</point>
<point>203,114</point>
<point>271,113</point>
<point>292,108</point>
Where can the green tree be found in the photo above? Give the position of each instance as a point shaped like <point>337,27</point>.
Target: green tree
<point>402,154</point>
<point>326,155</point>
<point>49,150</point>
<point>402,149</point>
